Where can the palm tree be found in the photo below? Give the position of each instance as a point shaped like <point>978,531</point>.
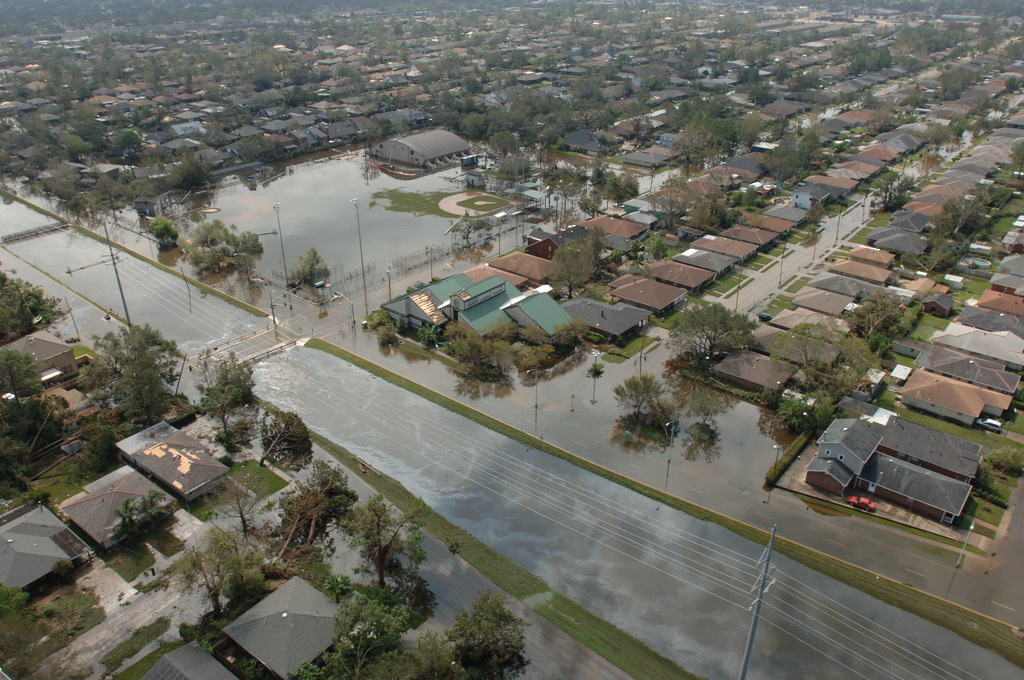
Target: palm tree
<point>128,520</point>
<point>429,335</point>
<point>149,504</point>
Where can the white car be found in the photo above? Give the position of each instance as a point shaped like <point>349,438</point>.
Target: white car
<point>990,424</point>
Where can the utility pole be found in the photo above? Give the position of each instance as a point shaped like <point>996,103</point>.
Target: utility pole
<point>113,261</point>
<point>764,582</point>
<point>362,265</point>
<point>280,236</point>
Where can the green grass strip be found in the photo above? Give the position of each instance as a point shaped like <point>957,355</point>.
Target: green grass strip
<point>139,638</point>
<point>973,626</point>
<point>614,645</point>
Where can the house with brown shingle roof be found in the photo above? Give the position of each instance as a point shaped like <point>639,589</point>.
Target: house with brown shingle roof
<point>776,224</point>
<point>872,256</point>
<point>1002,302</point>
<point>613,225</point>
<point>642,292</point>
<point>865,272</point>
<point>754,371</point>
<point>679,274</point>
<point>536,270</point>
<point>948,398</point>
<point>759,237</point>
<point>727,246</point>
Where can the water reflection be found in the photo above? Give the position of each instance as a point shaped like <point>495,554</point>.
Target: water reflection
<point>473,389</point>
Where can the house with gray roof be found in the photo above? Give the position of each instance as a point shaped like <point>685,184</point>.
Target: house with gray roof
<point>181,463</point>
<point>290,626</point>
<point>32,540</point>
<point>54,361</point>
<point>716,263</point>
<point>611,321</point>
<point>787,212</point>
<point>1000,346</point>
<point>988,320</point>
<point>897,240</point>
<point>844,285</point>
<point>190,662</point>
<point>95,510</point>
<point>925,447</point>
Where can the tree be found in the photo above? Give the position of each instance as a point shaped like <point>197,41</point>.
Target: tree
<point>133,371</point>
<point>893,192</point>
<point>215,246</point>
<point>189,174</point>
<point>636,393</point>
<point>705,403</point>
<point>315,506</point>
<point>310,268</point>
<point>18,375</point>
<point>285,439</point>
<point>962,216</point>
<point>1009,459</point>
<point>226,389</point>
<point>485,358</point>
<point>489,640</point>
<point>23,306</point>
<point>364,631</point>
<point>221,568</point>
<point>705,330</point>
<point>572,266</point>
<point>164,231</point>
<point>879,312</point>
<point>385,537</point>
<point>237,502</point>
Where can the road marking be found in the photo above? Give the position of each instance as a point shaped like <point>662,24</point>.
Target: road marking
<point>835,542</point>
<point>917,573</point>
<point>693,488</point>
<point>577,441</point>
<point>1003,606</point>
<point>761,514</point>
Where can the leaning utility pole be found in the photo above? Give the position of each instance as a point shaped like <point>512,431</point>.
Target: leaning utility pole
<point>764,582</point>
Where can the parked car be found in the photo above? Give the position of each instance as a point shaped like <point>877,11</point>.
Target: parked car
<point>765,316</point>
<point>990,424</point>
<point>861,503</point>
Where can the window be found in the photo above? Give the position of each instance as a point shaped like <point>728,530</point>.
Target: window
<point>828,452</point>
<point>841,457</point>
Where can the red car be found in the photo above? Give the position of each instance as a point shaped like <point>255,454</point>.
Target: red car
<point>861,503</point>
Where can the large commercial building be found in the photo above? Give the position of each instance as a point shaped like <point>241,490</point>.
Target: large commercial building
<point>422,149</point>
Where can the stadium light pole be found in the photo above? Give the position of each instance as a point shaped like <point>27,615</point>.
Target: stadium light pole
<point>362,264</point>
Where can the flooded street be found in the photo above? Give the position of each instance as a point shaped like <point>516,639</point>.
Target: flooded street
<point>679,584</point>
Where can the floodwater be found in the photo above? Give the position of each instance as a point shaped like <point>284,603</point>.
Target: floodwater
<point>679,584</point>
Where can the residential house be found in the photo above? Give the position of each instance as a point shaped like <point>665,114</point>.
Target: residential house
<point>32,541</point>
<point>940,304</point>
<point>1002,346</point>
<point>987,320</point>
<point>790,213</point>
<point>190,662</point>
<point>753,371</point>
<point>716,263</point>
<point>759,237</point>
<point>851,455</point>
<point>1012,264</point>
<point>611,321</point>
<point>872,256</point>
<point>969,369</point>
<point>426,306</point>
<point>1006,303</point>
<point>585,142</point>
<point>789,319</point>
<point>543,244</point>
<point>647,294</point>
<point>484,271</point>
<point>680,275</point>
<point>925,287</point>
<point>823,301</point>
<point>289,627</point>
<point>878,276</point>
<point>53,360</point>
<point>949,398</point>
<point>898,240</point>
<point>908,220</point>
<point>534,269</point>
<point>741,250</point>
<point>843,285</point>
<point>95,510</point>
<point>617,227</point>
<point>1008,283</point>
<point>182,464</point>
<point>806,195</point>
<point>767,222</point>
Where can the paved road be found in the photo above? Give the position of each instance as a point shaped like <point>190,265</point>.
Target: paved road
<point>679,584</point>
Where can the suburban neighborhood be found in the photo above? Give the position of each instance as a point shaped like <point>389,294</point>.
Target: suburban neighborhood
<point>542,340</point>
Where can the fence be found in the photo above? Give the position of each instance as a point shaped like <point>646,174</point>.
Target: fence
<point>33,232</point>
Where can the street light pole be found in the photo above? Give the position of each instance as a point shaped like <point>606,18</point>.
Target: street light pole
<point>536,397</point>
<point>280,236</point>
<point>593,374</point>
<point>362,264</point>
<point>960,557</point>
<point>389,280</point>
<point>671,425</point>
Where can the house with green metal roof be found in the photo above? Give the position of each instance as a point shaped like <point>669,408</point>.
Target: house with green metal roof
<point>427,306</point>
<point>539,311</point>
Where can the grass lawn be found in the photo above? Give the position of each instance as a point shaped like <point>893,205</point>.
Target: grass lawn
<point>779,304</point>
<point>166,543</point>
<point>796,286</point>
<point>926,326</point>
<point>985,511</point>
<point>419,204</point>
<point>142,666</point>
<point>726,284</point>
<point>129,560</point>
<point>633,347</point>
<point>65,618</point>
<point>484,203</point>
<point>139,638</point>
<point>880,220</point>
<point>60,484</point>
<point>259,480</point>
<point>82,350</point>
<point>969,625</point>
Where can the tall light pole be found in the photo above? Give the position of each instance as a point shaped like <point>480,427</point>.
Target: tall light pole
<point>671,425</point>
<point>960,557</point>
<point>362,265</point>
<point>280,236</point>
<point>117,276</point>
<point>536,397</point>
<point>839,222</point>
<point>389,280</point>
